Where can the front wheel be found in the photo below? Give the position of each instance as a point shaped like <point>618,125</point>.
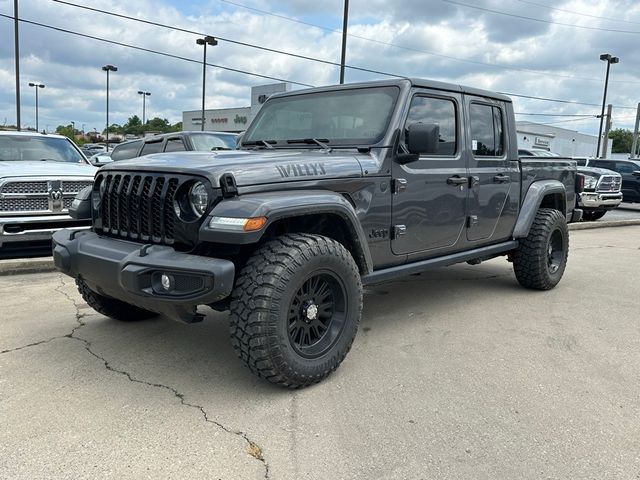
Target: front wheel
<point>295,309</point>
<point>541,258</point>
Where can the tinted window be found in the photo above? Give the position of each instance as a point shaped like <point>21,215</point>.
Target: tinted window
<point>151,147</point>
<point>602,164</point>
<point>126,151</point>
<point>441,112</point>
<point>174,145</point>
<point>582,162</point>
<point>486,130</point>
<point>625,167</point>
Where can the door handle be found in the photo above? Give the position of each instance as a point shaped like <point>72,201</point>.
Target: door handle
<point>501,178</point>
<point>457,180</point>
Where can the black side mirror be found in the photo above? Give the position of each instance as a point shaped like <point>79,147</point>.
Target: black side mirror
<point>636,173</point>
<point>423,138</point>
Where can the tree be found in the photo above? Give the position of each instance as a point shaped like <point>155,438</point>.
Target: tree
<point>66,130</point>
<point>622,140</point>
<point>133,126</point>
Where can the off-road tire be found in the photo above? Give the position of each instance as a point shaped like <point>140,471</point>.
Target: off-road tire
<point>592,216</point>
<point>531,260</point>
<point>110,307</point>
<point>262,302</point>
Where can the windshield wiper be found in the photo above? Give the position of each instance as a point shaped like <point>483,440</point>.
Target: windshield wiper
<point>219,148</point>
<point>51,160</point>
<point>265,143</point>
<point>310,141</point>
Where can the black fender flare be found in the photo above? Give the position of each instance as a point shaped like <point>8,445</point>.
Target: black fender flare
<point>276,206</point>
<point>532,201</point>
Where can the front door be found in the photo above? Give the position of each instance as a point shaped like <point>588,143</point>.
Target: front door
<point>494,190</point>
<point>430,194</point>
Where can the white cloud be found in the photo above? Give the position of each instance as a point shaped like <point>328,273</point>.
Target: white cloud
<point>70,65</point>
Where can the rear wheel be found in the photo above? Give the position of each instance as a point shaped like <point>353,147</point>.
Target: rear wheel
<point>295,309</point>
<point>540,260</point>
<point>110,307</point>
<point>592,215</point>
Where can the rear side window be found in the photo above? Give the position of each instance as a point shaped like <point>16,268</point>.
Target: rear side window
<point>126,151</point>
<point>487,130</point>
<point>174,145</point>
<point>151,147</point>
<point>440,111</point>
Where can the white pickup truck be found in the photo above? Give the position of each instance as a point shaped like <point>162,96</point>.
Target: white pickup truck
<point>39,177</point>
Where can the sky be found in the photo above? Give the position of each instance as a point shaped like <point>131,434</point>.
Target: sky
<point>554,53</point>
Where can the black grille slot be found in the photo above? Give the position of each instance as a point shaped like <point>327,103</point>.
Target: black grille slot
<point>140,207</point>
<point>157,210</point>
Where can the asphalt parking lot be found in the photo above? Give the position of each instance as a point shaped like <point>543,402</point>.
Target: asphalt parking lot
<point>455,374</point>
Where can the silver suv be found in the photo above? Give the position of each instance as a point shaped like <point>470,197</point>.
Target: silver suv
<point>39,177</point>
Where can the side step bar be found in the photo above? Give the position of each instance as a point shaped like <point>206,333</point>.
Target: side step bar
<point>392,273</point>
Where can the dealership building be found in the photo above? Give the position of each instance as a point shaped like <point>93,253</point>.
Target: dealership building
<point>567,143</point>
<point>232,119</point>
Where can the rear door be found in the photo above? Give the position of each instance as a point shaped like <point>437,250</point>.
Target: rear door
<point>430,194</point>
<point>494,183</point>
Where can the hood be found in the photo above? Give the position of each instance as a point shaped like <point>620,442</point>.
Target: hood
<point>249,167</point>
<point>597,171</point>
<point>45,169</point>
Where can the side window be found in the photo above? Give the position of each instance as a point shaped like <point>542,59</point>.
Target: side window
<point>174,145</point>
<point>151,147</point>
<point>487,130</point>
<point>602,164</point>
<point>440,111</point>
<point>125,151</point>
<point>624,167</point>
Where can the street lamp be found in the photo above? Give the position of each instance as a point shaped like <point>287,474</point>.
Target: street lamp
<point>108,68</point>
<point>208,40</point>
<point>73,129</point>
<point>144,98</point>
<point>36,86</point>
<point>605,57</point>
<point>345,25</point>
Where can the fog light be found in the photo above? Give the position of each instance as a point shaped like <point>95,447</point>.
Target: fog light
<point>166,281</point>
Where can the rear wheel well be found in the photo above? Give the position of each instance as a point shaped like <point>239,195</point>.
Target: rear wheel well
<point>330,225</point>
<point>555,201</point>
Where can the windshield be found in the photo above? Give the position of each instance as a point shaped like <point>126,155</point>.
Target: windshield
<point>340,117</point>
<point>205,142</point>
<point>37,148</point>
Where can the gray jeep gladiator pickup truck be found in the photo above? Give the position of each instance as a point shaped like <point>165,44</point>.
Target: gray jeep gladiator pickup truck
<point>332,188</point>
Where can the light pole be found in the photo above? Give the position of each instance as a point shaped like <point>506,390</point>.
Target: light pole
<point>16,46</point>
<point>36,86</point>
<point>605,57</point>
<point>73,130</point>
<point>144,98</point>
<point>108,68</point>
<point>345,24</point>
<point>208,40</point>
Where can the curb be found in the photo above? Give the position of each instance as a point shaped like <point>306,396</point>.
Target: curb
<point>21,266</point>
<point>605,224</point>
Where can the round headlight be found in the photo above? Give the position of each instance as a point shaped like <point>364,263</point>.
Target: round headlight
<point>199,198</point>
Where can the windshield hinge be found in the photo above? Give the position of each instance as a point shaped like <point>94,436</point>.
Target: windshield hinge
<point>228,185</point>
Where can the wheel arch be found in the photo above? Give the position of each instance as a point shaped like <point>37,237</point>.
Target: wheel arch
<point>541,194</point>
<point>315,212</point>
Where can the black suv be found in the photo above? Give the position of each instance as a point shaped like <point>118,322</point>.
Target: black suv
<point>175,142</point>
<point>630,171</point>
<point>332,188</point>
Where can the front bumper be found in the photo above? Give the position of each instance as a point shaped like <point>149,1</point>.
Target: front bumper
<point>604,201</point>
<point>132,272</point>
<point>36,228</point>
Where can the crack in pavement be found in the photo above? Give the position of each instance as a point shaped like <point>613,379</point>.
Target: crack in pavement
<point>253,448</point>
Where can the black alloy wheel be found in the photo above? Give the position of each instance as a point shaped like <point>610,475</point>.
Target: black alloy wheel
<point>317,314</point>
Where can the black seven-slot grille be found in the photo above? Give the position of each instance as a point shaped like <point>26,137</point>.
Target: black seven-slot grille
<point>139,207</point>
